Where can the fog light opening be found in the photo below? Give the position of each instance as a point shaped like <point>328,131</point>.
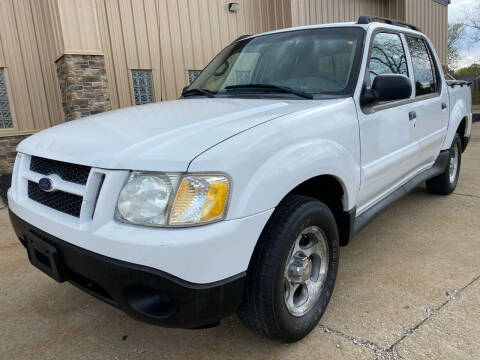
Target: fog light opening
<point>149,302</point>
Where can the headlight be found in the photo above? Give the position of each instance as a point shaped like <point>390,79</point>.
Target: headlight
<point>146,198</point>
<point>200,199</point>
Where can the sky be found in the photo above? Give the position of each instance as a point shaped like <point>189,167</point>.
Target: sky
<point>469,52</point>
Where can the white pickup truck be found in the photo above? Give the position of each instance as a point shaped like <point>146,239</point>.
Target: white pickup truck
<point>237,196</point>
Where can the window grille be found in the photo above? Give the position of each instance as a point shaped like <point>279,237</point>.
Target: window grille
<point>143,87</point>
<point>193,74</point>
<point>243,77</point>
<point>5,115</point>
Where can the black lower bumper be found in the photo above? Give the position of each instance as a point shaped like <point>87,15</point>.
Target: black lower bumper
<point>144,293</point>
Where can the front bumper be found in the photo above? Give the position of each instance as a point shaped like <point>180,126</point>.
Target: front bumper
<point>144,293</point>
<point>201,254</point>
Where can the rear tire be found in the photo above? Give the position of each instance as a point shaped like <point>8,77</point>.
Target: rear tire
<point>292,271</point>
<point>446,182</point>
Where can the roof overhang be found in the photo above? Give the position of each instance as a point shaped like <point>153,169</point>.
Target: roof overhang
<point>443,2</point>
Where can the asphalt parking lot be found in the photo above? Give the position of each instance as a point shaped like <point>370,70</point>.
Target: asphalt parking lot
<point>408,288</point>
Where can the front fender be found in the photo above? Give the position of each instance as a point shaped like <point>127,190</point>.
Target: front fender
<point>293,165</point>
<point>263,176</point>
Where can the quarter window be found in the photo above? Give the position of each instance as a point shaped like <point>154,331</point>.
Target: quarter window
<point>387,56</point>
<point>423,70</point>
<point>5,115</point>
<point>143,87</point>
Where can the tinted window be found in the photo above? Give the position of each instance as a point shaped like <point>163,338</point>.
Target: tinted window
<point>387,56</point>
<point>317,61</point>
<point>423,72</point>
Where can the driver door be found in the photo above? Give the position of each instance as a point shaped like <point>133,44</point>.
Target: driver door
<point>388,148</point>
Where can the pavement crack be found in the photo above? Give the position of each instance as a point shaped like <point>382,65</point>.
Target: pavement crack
<point>431,312</point>
<point>388,354</point>
<point>356,341</point>
<point>468,195</point>
<point>381,353</point>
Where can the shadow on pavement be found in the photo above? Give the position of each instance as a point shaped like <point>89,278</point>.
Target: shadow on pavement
<point>5,181</point>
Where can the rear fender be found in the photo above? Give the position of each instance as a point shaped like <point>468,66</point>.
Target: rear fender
<point>459,111</point>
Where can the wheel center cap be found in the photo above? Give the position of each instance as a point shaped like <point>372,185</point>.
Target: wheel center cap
<point>300,268</point>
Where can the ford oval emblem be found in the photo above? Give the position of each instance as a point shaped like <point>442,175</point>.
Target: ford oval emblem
<point>45,184</point>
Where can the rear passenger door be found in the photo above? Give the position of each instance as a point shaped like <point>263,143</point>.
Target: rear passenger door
<point>388,148</point>
<point>431,101</point>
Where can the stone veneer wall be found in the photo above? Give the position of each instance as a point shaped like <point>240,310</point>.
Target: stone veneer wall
<point>83,85</point>
<point>84,91</point>
<point>8,146</point>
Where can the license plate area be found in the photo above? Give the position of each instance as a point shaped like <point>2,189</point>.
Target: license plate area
<point>45,257</point>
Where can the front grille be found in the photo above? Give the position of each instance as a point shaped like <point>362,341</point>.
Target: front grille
<point>65,202</point>
<point>69,172</point>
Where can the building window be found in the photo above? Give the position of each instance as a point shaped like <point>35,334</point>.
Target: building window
<point>143,87</point>
<point>243,77</point>
<point>5,115</point>
<point>192,75</point>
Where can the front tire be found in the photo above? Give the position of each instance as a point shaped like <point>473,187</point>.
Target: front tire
<point>293,270</point>
<point>446,182</point>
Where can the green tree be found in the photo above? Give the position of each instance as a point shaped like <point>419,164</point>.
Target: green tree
<point>456,32</point>
<point>472,70</point>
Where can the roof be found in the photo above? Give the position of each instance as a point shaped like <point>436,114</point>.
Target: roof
<point>344,24</point>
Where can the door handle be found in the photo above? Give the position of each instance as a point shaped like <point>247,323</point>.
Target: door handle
<point>444,106</point>
<point>412,115</point>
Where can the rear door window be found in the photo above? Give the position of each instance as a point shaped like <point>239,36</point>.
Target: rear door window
<point>423,69</point>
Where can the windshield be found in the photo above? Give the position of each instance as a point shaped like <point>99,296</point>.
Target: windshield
<point>314,62</point>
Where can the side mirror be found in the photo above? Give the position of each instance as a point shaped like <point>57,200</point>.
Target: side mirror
<point>387,87</point>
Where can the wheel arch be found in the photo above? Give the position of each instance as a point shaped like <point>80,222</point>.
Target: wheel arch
<point>330,190</point>
<point>459,121</point>
<point>461,131</point>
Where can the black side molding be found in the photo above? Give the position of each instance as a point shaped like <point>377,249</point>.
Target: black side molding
<point>439,167</point>
<point>346,222</point>
<point>465,141</point>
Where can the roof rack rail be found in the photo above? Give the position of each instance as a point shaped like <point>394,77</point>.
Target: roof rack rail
<point>367,19</point>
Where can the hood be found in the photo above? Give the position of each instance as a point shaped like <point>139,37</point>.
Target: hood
<point>162,136</point>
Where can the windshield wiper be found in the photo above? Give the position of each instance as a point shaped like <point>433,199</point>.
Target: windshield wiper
<point>196,91</point>
<point>277,88</point>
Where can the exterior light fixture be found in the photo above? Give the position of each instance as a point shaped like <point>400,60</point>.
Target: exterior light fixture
<point>233,7</point>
